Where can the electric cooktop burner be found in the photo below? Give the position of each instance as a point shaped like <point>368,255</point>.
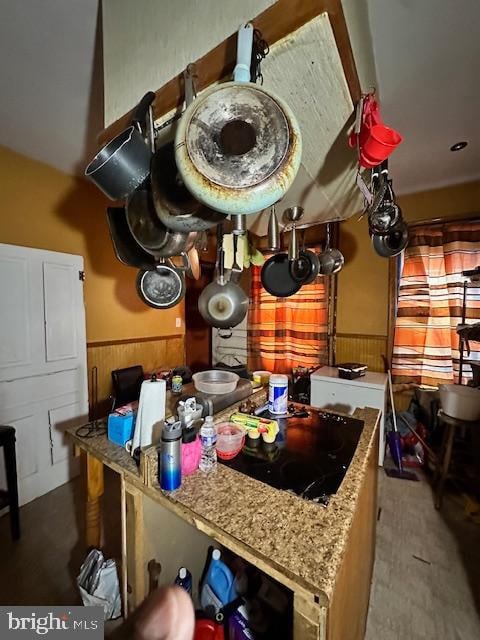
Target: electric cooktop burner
<point>310,456</point>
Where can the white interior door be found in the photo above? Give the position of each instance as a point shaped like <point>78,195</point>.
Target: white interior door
<point>43,370</point>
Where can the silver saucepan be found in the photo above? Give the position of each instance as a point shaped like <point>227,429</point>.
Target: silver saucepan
<point>223,304</point>
<point>123,164</point>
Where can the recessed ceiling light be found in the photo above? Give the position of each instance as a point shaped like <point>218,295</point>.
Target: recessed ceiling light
<point>458,146</point>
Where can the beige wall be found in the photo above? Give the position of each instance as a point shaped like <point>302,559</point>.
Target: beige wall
<point>147,43</point>
<point>363,283</point>
<point>44,208</point>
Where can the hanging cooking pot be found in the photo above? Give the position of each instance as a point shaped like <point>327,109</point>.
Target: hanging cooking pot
<point>162,287</point>
<point>223,304</point>
<point>331,260</point>
<point>384,213</point>
<point>238,146</point>
<point>276,277</point>
<point>126,248</point>
<point>307,266</point>
<point>124,163</point>
<point>144,223</point>
<point>393,242</point>
<point>175,206</point>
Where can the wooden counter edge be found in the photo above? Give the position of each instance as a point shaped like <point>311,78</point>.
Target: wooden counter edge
<point>348,607</point>
<point>227,540</point>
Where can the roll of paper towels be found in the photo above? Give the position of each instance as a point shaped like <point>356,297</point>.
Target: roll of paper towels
<point>151,413</point>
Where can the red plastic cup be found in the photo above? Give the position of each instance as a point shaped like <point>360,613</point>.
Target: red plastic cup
<point>380,143</point>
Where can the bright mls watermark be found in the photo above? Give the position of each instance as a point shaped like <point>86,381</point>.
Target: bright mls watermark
<point>62,622</point>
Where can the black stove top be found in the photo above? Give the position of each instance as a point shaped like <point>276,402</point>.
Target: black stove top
<point>310,456</point>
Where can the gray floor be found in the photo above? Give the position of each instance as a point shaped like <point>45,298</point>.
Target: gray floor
<point>426,581</point>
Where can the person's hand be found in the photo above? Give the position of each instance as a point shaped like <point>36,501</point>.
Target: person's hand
<point>166,614</point>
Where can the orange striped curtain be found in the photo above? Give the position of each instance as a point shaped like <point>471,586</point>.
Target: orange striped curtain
<point>287,332</point>
<point>426,345</point>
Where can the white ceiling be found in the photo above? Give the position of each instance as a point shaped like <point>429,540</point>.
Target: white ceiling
<point>426,57</point>
<point>51,104</point>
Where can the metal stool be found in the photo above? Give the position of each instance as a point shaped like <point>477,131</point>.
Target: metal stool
<point>444,457</point>
<point>9,498</point>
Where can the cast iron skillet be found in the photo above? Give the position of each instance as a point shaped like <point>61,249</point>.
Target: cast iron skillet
<point>276,277</point>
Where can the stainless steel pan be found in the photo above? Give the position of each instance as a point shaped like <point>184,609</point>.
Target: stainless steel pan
<point>223,304</point>
<point>126,248</point>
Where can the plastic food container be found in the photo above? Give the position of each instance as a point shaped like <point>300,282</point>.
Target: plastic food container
<point>230,439</point>
<point>460,402</point>
<point>261,377</point>
<point>215,381</point>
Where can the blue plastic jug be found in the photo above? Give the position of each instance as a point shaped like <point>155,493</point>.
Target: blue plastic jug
<point>220,579</point>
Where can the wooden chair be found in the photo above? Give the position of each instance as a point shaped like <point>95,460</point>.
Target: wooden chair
<point>126,385</point>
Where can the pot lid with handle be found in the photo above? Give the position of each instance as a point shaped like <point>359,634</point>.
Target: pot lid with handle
<point>162,287</point>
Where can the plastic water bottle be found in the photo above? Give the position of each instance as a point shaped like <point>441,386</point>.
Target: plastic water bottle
<point>208,438</point>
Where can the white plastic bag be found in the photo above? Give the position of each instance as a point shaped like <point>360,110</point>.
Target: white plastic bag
<point>98,584</point>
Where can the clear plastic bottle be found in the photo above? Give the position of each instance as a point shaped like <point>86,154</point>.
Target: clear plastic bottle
<point>208,438</point>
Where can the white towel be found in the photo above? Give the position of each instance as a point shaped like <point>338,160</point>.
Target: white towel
<point>151,413</point>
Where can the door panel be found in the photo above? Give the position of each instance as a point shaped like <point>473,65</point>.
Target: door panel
<point>43,364</point>
<point>14,316</point>
<point>60,321</point>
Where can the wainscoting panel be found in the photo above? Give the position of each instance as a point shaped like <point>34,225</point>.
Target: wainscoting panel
<point>152,353</point>
<point>367,349</point>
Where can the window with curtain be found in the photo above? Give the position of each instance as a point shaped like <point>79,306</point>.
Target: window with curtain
<point>287,332</point>
<point>430,300</point>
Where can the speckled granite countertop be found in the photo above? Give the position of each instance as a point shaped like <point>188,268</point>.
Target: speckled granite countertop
<point>296,537</point>
<point>299,539</point>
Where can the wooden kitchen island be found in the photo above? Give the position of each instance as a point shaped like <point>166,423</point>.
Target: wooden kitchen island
<point>322,555</point>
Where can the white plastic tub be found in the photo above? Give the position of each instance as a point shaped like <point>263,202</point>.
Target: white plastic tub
<point>460,402</point>
<point>215,381</point>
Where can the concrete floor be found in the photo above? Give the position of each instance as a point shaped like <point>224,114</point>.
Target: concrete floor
<point>426,582</point>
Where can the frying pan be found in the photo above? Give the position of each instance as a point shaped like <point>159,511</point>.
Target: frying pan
<point>276,277</point>
<point>162,287</point>
<point>393,242</point>
<point>175,206</point>
<point>238,146</point>
<point>126,248</point>
<point>124,163</point>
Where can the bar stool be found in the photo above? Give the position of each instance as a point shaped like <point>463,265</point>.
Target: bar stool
<point>445,456</point>
<point>9,498</point>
